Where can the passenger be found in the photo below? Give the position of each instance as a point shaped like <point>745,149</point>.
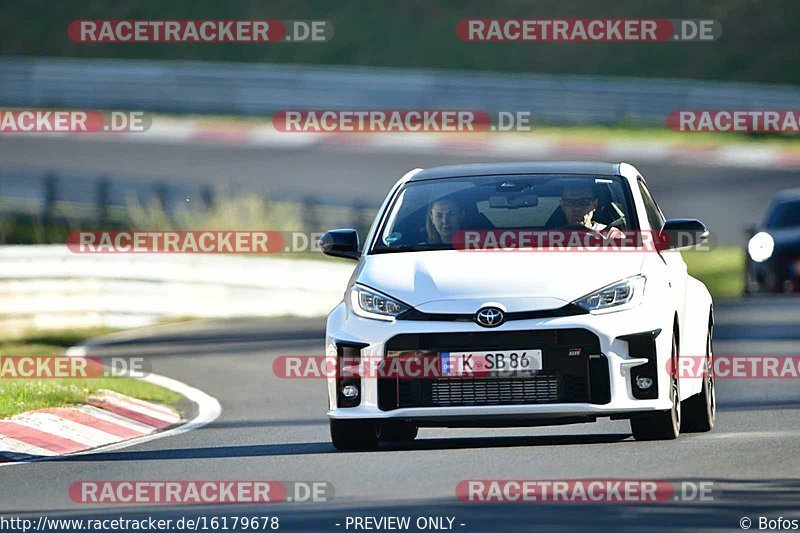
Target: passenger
<point>445,217</point>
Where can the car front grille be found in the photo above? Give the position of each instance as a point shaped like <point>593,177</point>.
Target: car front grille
<point>454,392</point>
<point>564,378</point>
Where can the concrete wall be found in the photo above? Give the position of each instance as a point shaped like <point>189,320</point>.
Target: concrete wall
<point>50,287</point>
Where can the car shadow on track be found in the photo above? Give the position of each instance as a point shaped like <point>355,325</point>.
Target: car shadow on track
<point>316,448</point>
<point>219,424</point>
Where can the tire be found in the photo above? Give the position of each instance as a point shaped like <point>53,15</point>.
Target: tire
<point>700,410</point>
<point>751,285</point>
<point>662,425</point>
<point>348,435</point>
<point>398,432</point>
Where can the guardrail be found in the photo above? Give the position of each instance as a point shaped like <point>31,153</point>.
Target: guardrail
<point>261,89</point>
<point>50,287</point>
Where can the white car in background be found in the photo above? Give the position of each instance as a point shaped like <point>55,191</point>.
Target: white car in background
<point>561,336</point>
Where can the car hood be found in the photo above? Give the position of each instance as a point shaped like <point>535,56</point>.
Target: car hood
<point>786,239</point>
<point>458,281</point>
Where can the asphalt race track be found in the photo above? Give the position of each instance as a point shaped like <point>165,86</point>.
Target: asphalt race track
<point>275,429</point>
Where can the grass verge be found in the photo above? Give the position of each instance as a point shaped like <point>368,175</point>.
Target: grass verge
<point>722,270</point>
<point>20,395</point>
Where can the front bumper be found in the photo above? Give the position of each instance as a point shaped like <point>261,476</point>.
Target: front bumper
<point>373,337</point>
<point>778,274</point>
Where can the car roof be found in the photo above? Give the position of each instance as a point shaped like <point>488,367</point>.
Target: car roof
<point>786,195</point>
<point>490,169</point>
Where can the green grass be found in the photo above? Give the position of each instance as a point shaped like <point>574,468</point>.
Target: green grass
<point>722,270</point>
<point>64,338</point>
<point>20,395</point>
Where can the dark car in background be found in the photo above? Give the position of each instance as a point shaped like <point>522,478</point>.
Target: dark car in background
<point>773,248</point>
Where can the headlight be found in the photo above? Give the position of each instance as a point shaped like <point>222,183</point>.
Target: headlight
<point>760,247</point>
<point>370,304</point>
<point>621,295</point>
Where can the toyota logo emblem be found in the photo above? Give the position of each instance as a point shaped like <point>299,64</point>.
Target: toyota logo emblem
<point>489,317</point>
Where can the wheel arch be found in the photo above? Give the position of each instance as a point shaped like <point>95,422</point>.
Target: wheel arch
<point>693,329</point>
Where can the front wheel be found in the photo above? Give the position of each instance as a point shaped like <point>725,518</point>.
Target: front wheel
<point>700,410</point>
<point>750,283</point>
<point>662,425</point>
<point>350,435</point>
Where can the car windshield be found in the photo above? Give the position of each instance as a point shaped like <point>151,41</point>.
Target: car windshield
<point>427,215</point>
<point>785,215</point>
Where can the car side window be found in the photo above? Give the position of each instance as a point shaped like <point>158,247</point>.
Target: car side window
<point>654,215</point>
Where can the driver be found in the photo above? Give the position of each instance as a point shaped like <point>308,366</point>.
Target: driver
<point>579,202</point>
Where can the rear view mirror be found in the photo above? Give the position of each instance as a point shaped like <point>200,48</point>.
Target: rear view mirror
<point>514,201</point>
<point>682,233</point>
<point>340,243</point>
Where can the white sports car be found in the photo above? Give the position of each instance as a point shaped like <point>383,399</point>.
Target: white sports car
<point>522,335</point>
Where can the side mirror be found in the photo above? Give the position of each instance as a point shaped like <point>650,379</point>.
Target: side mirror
<point>340,243</point>
<point>682,233</point>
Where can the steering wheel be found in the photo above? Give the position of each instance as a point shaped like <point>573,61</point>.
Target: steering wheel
<point>619,223</point>
<point>578,227</point>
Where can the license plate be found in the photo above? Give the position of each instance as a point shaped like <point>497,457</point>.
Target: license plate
<point>495,363</point>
